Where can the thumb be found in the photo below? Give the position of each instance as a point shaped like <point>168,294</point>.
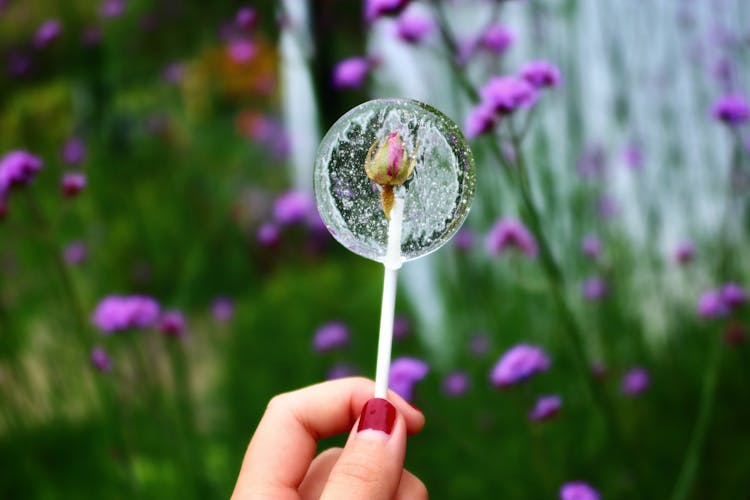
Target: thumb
<point>371,464</point>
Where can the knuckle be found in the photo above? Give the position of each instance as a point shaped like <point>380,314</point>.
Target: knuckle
<point>277,403</point>
<point>355,472</point>
<point>363,381</point>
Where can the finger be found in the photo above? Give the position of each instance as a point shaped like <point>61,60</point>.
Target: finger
<point>411,488</point>
<point>372,461</point>
<point>284,443</point>
<point>317,475</point>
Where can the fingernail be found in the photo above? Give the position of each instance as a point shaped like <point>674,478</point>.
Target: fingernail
<point>379,415</point>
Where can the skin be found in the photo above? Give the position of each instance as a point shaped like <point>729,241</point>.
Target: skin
<point>280,462</point>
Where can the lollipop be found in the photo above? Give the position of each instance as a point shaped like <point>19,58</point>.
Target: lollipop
<point>394,180</point>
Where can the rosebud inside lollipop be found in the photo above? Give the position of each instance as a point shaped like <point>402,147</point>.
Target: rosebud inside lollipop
<point>388,164</point>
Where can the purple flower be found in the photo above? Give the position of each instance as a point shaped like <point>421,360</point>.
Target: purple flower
<point>341,370</point>
<point>413,27</point>
<point>456,384</point>
<point>633,156</point>
<point>19,64</point>
<point>578,490</point>
<point>401,327</point>
<point>598,369</point>
<point>112,8</point>
<point>541,74</point>
<point>511,233</point>
<point>734,335</point>
<point>481,119</point>
<point>116,313</point>
<point>546,407</point>
<point>73,151</point>
<point>293,207</point>
<point>75,253</point>
<point>222,309</point>
<point>506,94</point>
<point>351,73</point>
<point>92,36</point>
<point>464,239</point>
<point>47,33</point>
<point>497,39</point>
<point>685,252</point>
<point>479,344</point>
<point>330,336</point>
<point>100,359</point>
<point>716,303</point>
<point>592,161</point>
<point>242,50</point>
<point>246,18</point>
<point>266,130</point>
<point>733,295</point>
<point>377,8</point>
<point>465,50</point>
<point>732,109</point>
<point>594,288</point>
<point>72,184</point>
<point>404,375</point>
<point>711,304</point>
<point>723,71</point>
<point>607,206</point>
<point>519,363</point>
<point>268,234</point>
<point>635,381</point>
<point>172,323</point>
<point>591,246</point>
<point>17,168</point>
<point>173,73</point>
<point>317,228</point>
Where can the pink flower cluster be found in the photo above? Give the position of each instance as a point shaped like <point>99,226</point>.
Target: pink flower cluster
<point>511,234</point>
<point>719,302</point>
<point>504,95</point>
<point>117,313</point>
<point>519,363</point>
<point>404,375</point>
<point>17,168</point>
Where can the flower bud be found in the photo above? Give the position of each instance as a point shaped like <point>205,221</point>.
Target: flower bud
<point>388,163</point>
<point>72,184</point>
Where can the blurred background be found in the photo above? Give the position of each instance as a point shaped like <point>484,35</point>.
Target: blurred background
<point>164,272</point>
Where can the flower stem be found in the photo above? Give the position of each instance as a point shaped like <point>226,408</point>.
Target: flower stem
<point>191,441</point>
<point>62,270</point>
<point>689,468</point>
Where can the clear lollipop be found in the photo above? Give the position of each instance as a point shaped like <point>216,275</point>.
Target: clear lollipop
<point>394,180</point>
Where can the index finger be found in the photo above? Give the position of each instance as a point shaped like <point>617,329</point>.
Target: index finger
<point>285,441</point>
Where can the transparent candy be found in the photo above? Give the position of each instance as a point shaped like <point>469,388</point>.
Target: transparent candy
<point>437,196</point>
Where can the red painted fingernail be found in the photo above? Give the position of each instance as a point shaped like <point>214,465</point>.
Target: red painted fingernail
<point>378,414</point>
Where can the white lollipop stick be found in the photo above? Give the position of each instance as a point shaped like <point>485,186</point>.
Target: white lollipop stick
<point>392,263</point>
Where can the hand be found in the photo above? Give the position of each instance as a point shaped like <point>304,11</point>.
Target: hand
<point>280,461</point>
